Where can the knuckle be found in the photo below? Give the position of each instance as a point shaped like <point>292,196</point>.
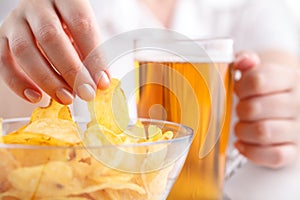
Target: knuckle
<point>240,110</point>
<point>84,24</point>
<point>96,61</point>
<point>48,33</point>
<point>256,81</point>
<point>248,109</point>
<point>262,132</point>
<point>71,71</point>
<point>238,89</point>
<point>237,129</point>
<point>45,80</point>
<point>19,45</point>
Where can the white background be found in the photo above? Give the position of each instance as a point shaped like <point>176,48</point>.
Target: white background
<point>295,8</point>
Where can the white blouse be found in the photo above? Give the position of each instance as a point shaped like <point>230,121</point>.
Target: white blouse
<point>254,24</point>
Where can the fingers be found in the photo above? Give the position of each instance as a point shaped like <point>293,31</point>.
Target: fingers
<point>267,91</point>
<point>29,60</point>
<point>266,79</point>
<point>46,46</point>
<point>96,64</point>
<point>268,129</point>
<point>276,106</point>
<point>78,15</point>
<point>21,84</point>
<point>268,132</point>
<point>269,96</point>
<point>60,52</point>
<point>258,79</point>
<point>270,156</point>
<point>246,60</point>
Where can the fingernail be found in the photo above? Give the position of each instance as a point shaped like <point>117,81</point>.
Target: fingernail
<point>32,95</point>
<point>243,62</point>
<point>246,63</point>
<point>86,92</point>
<point>102,80</point>
<point>241,57</point>
<point>64,96</point>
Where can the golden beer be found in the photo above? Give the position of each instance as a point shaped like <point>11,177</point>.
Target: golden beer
<point>190,93</point>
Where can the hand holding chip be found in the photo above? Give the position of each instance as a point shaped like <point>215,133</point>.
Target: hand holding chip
<point>44,50</point>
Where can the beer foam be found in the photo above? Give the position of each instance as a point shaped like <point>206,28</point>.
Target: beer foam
<point>202,51</point>
<point>154,57</point>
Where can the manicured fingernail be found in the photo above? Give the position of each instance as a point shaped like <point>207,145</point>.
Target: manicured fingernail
<point>64,96</point>
<point>86,92</point>
<point>102,80</point>
<point>32,95</point>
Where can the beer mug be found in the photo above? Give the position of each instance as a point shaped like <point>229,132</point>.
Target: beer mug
<point>190,82</point>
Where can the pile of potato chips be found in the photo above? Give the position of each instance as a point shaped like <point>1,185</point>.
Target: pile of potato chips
<point>52,160</point>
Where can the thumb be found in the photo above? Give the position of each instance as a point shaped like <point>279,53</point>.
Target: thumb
<point>246,60</point>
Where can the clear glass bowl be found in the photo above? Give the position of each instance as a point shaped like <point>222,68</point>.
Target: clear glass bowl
<point>129,171</point>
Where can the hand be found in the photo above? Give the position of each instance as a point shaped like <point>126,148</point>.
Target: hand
<point>43,45</point>
<point>268,130</point>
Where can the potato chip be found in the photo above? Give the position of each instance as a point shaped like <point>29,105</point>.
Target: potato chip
<point>52,125</point>
<point>13,194</point>
<point>60,129</point>
<point>53,110</point>
<point>7,164</point>
<point>98,135</point>
<point>52,179</point>
<point>100,195</point>
<point>136,131</point>
<point>112,184</point>
<point>109,108</point>
<point>125,194</point>
<point>156,182</point>
<point>18,195</point>
<point>37,156</point>
<point>104,131</point>
<point>66,198</point>
<point>29,138</point>
<point>107,174</point>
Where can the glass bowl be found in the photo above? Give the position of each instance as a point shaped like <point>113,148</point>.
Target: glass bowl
<point>129,171</point>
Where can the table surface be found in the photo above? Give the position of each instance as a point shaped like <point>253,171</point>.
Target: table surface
<point>252,182</point>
